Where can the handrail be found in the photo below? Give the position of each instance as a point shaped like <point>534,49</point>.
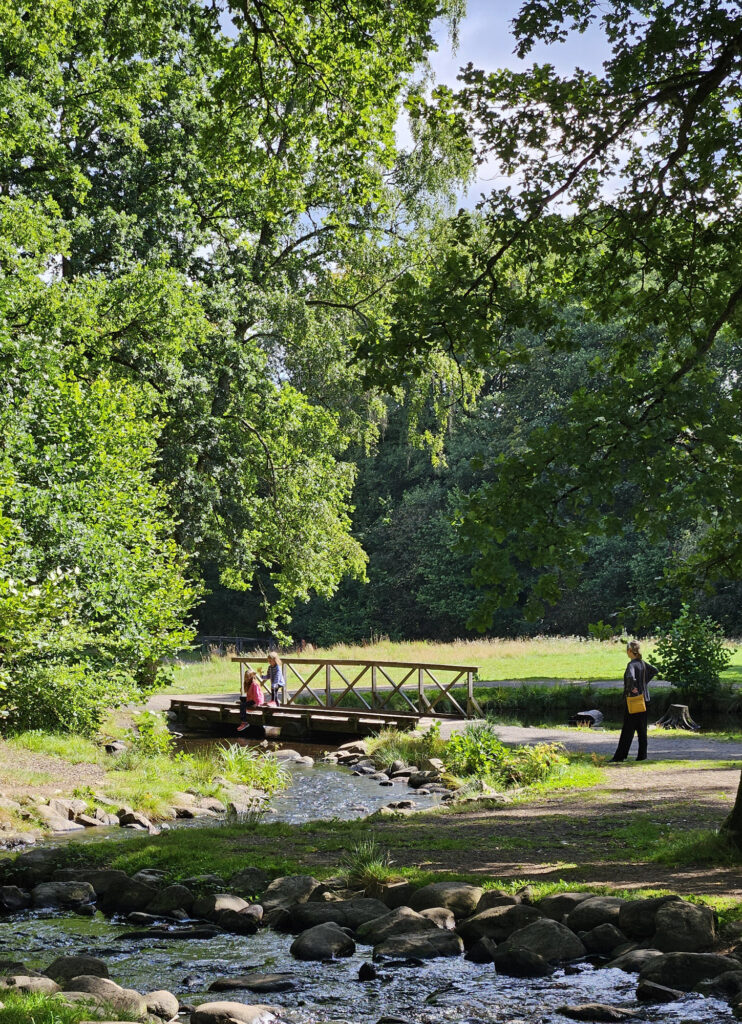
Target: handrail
<point>413,689</point>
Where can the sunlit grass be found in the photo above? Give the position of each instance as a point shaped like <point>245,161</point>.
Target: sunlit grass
<point>38,1008</point>
<point>531,659</point>
<point>75,749</point>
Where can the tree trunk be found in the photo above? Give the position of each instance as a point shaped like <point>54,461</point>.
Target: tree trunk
<point>731,827</point>
<point>677,716</point>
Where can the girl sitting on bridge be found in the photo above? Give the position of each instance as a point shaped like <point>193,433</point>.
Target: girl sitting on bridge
<point>252,697</point>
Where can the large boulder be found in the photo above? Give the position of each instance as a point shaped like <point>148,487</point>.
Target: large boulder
<point>548,939</point>
<point>13,899</point>
<point>128,897</point>
<point>441,917</point>
<point>597,910</point>
<point>228,1013</point>
<point>64,968</point>
<point>249,881</point>
<point>347,913</point>
<point>286,891</point>
<point>686,970</point>
<point>125,1000</point>
<point>496,898</point>
<point>28,869</point>
<point>557,907</point>
<point>69,895</point>
<point>634,960</point>
<point>29,983</point>
<point>636,918</point>
<point>458,897</point>
<point>212,905</point>
<point>172,897</point>
<point>684,927</point>
<point>482,952</point>
<point>323,942</point>
<point>101,879</point>
<point>241,922</point>
<point>595,1013</point>
<point>283,982</point>
<point>498,923</point>
<point>396,893</point>
<point>724,986</point>
<point>401,921</point>
<point>603,939</point>
<point>422,945</point>
<point>162,1004</point>
<point>520,963</point>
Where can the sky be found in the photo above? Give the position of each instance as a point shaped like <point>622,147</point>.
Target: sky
<point>486,39</point>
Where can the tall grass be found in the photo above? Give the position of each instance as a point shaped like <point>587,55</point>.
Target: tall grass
<point>365,863</point>
<point>38,1008</point>
<point>251,767</point>
<point>75,749</point>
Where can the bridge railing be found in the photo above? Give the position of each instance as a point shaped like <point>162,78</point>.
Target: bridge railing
<point>416,687</point>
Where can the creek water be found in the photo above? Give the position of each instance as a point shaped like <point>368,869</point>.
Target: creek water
<point>439,991</point>
<point>329,993</point>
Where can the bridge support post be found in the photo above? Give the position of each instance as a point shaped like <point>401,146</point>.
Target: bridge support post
<point>328,686</point>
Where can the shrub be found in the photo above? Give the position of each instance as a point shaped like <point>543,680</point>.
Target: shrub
<point>692,654</point>
<point>365,863</point>
<point>479,753</point>
<point>250,767</point>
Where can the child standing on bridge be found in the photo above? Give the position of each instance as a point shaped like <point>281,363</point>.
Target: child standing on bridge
<point>275,677</point>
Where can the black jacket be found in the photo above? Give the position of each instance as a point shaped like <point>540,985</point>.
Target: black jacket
<point>637,677</point>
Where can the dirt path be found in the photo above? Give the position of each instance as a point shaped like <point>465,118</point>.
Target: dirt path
<point>23,772</point>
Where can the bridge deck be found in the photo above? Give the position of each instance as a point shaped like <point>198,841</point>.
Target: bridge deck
<point>208,712</point>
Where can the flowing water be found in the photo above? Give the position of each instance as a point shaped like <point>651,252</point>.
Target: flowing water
<point>329,993</point>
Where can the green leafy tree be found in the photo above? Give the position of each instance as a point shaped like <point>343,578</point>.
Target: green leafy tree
<point>692,653</point>
<point>621,195</point>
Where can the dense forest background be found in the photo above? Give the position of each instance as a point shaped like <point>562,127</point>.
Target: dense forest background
<point>263,372</point>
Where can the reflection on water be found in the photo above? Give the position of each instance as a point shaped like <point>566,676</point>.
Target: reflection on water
<point>442,990</point>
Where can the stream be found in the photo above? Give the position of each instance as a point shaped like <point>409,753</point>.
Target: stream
<point>441,990</point>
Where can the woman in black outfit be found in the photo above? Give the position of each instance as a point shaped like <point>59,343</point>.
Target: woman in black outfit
<point>635,681</point>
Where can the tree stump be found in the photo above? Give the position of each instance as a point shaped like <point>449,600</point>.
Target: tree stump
<point>677,716</point>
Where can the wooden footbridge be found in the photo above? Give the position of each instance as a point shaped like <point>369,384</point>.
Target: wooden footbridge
<point>341,696</point>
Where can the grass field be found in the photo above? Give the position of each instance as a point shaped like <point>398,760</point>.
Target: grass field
<point>540,658</point>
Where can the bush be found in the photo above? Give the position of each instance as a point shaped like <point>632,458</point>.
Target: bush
<point>479,753</point>
<point>249,767</point>
<point>60,698</point>
<point>692,653</point>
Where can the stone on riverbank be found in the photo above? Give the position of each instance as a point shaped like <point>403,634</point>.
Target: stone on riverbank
<point>125,1000</point>
<point>549,939</point>
<point>172,897</point>
<point>68,895</point>
<point>423,945</point>
<point>285,892</point>
<point>637,917</point>
<point>249,881</point>
<point>401,921</point>
<point>725,986</point>
<point>223,1013</point>
<point>684,927</point>
<point>603,939</point>
<point>351,914</point>
<point>520,963</point>
<point>212,905</point>
<point>498,923</point>
<point>496,898</point>
<point>26,983</point>
<point>128,897</point>
<point>13,899</point>
<point>322,942</point>
<point>563,903</point>
<point>597,910</point>
<point>596,1012</point>
<point>162,1004</point>
<point>101,879</point>
<point>634,960</point>
<point>282,982</point>
<point>482,952</point>
<point>64,968</point>
<point>651,992</point>
<point>459,897</point>
<point>392,894</point>
<point>241,922</point>
<point>686,970</point>
<point>441,917</point>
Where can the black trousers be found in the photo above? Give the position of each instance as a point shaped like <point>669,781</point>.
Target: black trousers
<point>632,724</point>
